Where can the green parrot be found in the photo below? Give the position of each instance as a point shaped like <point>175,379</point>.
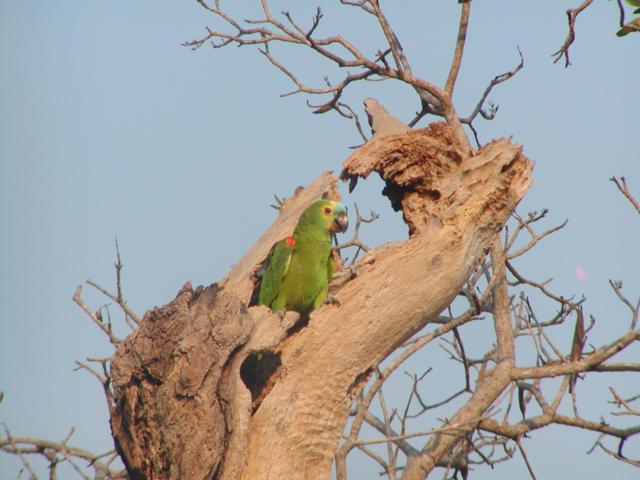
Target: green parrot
<point>296,273</point>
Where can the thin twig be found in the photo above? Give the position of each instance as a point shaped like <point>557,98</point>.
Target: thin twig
<point>355,240</point>
<point>572,14</point>
<point>118,299</point>
<point>622,186</point>
<point>23,446</point>
<point>18,452</point>
<point>97,319</point>
<point>493,109</point>
<point>526,460</point>
<point>451,429</point>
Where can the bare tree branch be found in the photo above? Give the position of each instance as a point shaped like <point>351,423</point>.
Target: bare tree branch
<point>617,456</point>
<point>118,299</point>
<point>526,460</point>
<point>572,14</point>
<point>95,316</point>
<point>622,186</point>
<point>359,3</point>
<point>493,109</point>
<point>267,30</point>
<point>10,441</point>
<point>59,452</point>
<point>104,379</point>
<point>355,240</point>
<point>457,57</point>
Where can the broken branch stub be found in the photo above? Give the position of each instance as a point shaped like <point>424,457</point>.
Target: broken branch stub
<point>427,174</point>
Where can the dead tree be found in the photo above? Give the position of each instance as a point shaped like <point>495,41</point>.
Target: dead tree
<point>207,356</point>
<point>208,386</point>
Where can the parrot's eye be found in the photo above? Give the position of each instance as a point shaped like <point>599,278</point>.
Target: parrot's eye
<point>327,210</point>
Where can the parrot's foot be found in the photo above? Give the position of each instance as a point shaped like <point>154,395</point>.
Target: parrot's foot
<point>332,300</point>
<point>281,313</point>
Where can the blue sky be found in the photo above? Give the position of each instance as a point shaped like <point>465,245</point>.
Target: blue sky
<point>109,126</point>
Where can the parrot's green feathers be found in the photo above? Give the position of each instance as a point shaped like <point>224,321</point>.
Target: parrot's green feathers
<point>272,271</point>
<point>296,273</point>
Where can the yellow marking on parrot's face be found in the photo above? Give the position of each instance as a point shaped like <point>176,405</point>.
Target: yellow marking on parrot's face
<point>327,216</point>
<point>334,216</point>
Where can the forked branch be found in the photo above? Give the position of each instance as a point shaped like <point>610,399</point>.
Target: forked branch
<point>59,453</point>
<point>572,14</point>
<point>518,320</point>
<point>621,183</point>
<point>269,30</point>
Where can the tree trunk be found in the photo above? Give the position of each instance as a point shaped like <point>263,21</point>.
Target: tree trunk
<point>211,388</point>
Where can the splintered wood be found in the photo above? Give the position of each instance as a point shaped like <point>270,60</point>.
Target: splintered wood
<point>427,175</point>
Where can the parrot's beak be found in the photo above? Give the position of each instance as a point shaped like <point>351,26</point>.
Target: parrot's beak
<point>341,223</point>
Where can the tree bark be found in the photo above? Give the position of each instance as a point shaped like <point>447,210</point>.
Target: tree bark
<point>211,388</point>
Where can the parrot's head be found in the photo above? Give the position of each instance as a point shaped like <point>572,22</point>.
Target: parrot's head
<point>332,216</point>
